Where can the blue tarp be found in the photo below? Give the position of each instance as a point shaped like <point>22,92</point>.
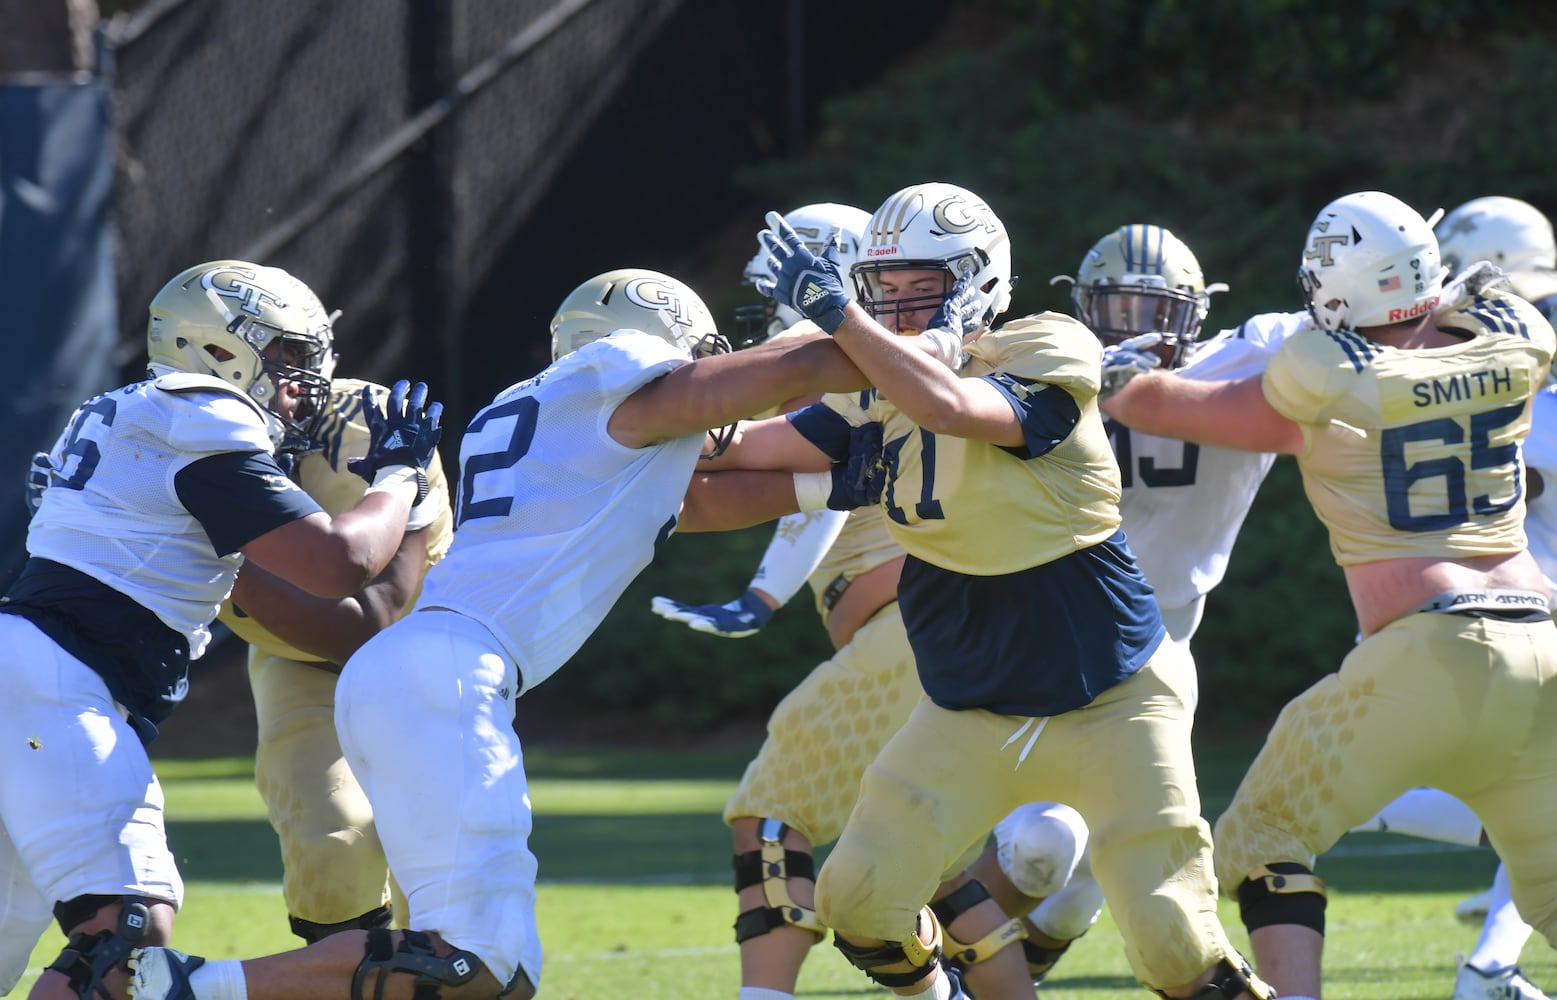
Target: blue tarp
<point>57,317</point>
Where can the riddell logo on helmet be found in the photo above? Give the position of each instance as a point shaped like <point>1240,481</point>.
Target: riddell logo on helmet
<point>891,251</point>
<point>1420,309</point>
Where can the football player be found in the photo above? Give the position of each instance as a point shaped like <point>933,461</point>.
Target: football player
<point>153,496</point>
<point>1182,506</point>
<point>568,481</point>
<point>1516,237</point>
<point>334,873</point>
<point>1406,406</point>
<point>1022,603</point>
<point>798,790</point>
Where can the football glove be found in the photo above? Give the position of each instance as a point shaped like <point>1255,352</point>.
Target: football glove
<point>859,480</point>
<point>405,432</point>
<point>963,310</point>
<point>1127,359</point>
<point>738,619</point>
<point>37,481</point>
<point>811,285</point>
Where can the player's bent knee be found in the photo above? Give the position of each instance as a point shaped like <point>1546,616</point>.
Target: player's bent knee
<point>87,958</point>
<point>919,956</point>
<point>1282,892</point>
<point>455,976</point>
<point>771,866</point>
<point>1039,845</point>
<point>1229,979</point>
<point>965,953</point>
<point>1070,912</point>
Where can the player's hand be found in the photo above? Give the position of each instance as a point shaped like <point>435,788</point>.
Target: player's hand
<point>405,432</point>
<point>962,312</point>
<point>810,284</point>
<point>859,480</point>
<point>37,481</point>
<point>1127,359</point>
<point>738,619</point>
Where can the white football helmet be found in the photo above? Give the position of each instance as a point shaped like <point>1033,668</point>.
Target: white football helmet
<point>935,225</point>
<point>250,326</point>
<point>1369,260</point>
<point>1513,234</point>
<point>633,298</point>
<point>815,224</point>
<point>1142,279</point>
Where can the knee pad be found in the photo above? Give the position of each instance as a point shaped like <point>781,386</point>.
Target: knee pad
<point>1039,845</point>
<point>922,957</point>
<point>89,957</point>
<point>1228,980</point>
<point>953,905</point>
<point>416,957</point>
<point>1282,892</point>
<point>772,867</point>
<point>313,933</point>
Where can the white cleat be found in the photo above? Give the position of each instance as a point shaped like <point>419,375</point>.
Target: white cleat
<point>1505,984</point>
<point>161,974</point>
<point>1473,909</point>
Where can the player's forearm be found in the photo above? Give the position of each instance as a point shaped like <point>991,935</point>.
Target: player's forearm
<point>332,629</point>
<point>727,501</point>
<point>1232,414</point>
<point>926,391</point>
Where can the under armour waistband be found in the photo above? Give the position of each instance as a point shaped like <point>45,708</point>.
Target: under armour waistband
<point>1514,605</point>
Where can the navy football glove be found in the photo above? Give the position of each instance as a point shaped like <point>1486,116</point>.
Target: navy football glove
<point>860,479</point>
<point>1127,359</point>
<point>406,432</point>
<point>37,481</point>
<point>738,619</point>
<point>810,284</point>
<point>963,310</point>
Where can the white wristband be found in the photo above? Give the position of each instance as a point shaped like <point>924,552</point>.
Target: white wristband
<point>812,489</point>
<point>405,481</point>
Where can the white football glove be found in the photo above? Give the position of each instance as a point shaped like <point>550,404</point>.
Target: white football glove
<point>1127,359</point>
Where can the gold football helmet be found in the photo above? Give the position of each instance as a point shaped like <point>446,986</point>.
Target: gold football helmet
<point>1142,279</point>
<point>633,298</point>
<point>249,326</point>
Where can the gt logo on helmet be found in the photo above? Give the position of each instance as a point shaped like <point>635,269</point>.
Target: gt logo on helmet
<point>1323,249</point>
<point>236,283</point>
<point>958,215</point>
<point>652,294</point>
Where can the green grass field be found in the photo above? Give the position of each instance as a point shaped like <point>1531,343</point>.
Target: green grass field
<point>635,902</point>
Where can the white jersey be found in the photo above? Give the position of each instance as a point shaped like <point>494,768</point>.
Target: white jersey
<point>1540,453</point>
<point>1183,503</point>
<point>554,517</point>
<point>112,511</point>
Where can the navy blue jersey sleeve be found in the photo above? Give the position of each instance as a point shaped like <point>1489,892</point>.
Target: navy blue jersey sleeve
<point>824,427</point>
<point>1048,413</point>
<point>238,496</point>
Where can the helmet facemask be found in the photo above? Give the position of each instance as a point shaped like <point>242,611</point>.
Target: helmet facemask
<point>1117,312</point>
<point>870,277</point>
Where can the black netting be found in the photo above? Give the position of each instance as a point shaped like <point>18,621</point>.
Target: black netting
<point>291,131</point>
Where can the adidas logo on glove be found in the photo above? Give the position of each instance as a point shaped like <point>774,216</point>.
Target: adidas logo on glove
<point>813,293</point>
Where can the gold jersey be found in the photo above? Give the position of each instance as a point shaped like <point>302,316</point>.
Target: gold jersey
<point>324,476</point>
<point>1417,452</point>
<point>979,509</point>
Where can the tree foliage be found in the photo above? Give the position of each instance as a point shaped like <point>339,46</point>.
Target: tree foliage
<point>1229,124</point>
